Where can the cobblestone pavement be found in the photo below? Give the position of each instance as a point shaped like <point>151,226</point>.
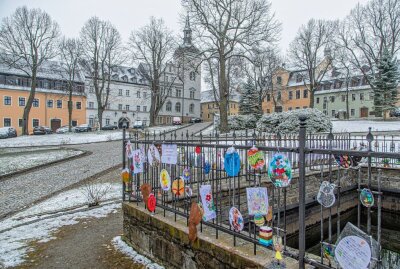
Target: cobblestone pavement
<point>21,191</point>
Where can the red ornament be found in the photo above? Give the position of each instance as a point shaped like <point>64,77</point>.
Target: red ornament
<point>198,150</point>
<point>151,203</point>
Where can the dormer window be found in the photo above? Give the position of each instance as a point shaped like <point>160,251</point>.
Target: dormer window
<point>299,78</point>
<point>279,80</point>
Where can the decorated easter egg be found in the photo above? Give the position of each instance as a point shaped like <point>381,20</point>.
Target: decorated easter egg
<point>367,198</point>
<point>255,158</point>
<point>259,220</point>
<point>125,175</point>
<point>280,170</point>
<point>236,219</point>
<point>151,203</point>
<point>165,180</point>
<point>178,186</point>
<point>186,174</point>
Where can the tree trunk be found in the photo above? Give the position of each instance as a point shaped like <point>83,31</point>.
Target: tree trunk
<point>223,93</point>
<point>154,99</point>
<point>311,92</point>
<point>28,106</point>
<point>347,104</point>
<point>100,111</point>
<point>70,110</point>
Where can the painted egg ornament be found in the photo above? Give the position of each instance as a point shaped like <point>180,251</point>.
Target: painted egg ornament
<point>186,174</point>
<point>151,202</point>
<point>165,180</point>
<point>325,196</point>
<point>197,150</point>
<point>280,171</point>
<point>207,168</point>
<point>125,175</point>
<point>178,186</point>
<point>255,158</point>
<point>367,198</point>
<point>343,161</point>
<point>232,162</point>
<point>236,219</point>
<point>188,191</point>
<point>259,220</point>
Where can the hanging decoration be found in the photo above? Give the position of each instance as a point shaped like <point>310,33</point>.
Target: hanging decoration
<point>207,167</point>
<point>125,178</point>
<point>257,201</point>
<point>186,174</point>
<point>232,162</point>
<point>265,236</point>
<point>145,189</point>
<point>208,202</point>
<point>367,198</point>
<point>151,202</point>
<point>178,186</point>
<point>129,149</point>
<point>153,156</point>
<point>188,191</point>
<point>280,170</point>
<point>197,150</point>
<point>169,153</point>
<point>236,219</point>
<point>344,161</point>
<point>325,196</point>
<point>195,216</point>
<point>259,220</point>
<point>137,161</point>
<point>277,240</point>
<point>165,180</point>
<point>255,158</point>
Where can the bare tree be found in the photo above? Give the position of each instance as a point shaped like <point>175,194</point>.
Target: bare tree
<point>27,40</point>
<point>367,32</point>
<point>70,54</point>
<point>153,46</point>
<point>228,29</point>
<point>102,52</point>
<point>309,51</point>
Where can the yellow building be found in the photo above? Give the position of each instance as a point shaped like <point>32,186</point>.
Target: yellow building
<point>50,106</point>
<point>209,106</point>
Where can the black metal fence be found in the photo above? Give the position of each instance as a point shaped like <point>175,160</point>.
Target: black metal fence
<point>312,160</point>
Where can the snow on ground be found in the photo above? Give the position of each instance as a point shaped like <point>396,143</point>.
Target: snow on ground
<point>121,246</point>
<point>362,126</point>
<point>11,163</point>
<point>161,129</point>
<point>37,224</point>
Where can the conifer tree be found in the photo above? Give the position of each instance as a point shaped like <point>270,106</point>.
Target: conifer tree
<point>249,104</point>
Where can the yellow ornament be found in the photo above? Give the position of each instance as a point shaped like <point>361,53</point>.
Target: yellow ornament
<point>125,175</point>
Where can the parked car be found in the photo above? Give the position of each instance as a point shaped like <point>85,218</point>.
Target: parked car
<point>195,120</point>
<point>138,125</point>
<point>42,130</point>
<point>176,121</point>
<point>395,112</point>
<point>7,132</point>
<point>62,129</point>
<point>109,127</point>
<point>83,128</point>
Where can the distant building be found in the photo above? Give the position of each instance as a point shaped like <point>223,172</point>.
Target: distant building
<point>210,106</point>
<point>50,105</point>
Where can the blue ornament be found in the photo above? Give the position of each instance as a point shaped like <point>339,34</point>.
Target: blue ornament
<point>232,162</point>
<point>207,167</point>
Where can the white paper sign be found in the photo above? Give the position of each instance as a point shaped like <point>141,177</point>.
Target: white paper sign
<point>353,252</point>
<point>169,153</point>
<point>208,203</point>
<point>137,161</point>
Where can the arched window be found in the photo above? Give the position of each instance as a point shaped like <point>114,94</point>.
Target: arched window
<point>168,106</point>
<point>178,107</point>
<point>192,76</point>
<point>191,108</point>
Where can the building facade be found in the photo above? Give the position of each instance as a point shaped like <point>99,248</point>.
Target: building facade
<point>50,105</point>
<point>209,106</point>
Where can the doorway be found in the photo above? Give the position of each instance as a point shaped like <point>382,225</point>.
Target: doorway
<point>55,124</point>
<point>364,112</point>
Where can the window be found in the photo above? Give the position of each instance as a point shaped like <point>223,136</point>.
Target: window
<point>78,105</point>
<point>166,78</point>
<point>35,123</point>
<point>144,108</point>
<point>91,89</point>
<point>178,93</point>
<point>333,113</point>
<point>20,122</point>
<point>35,102</point>
<point>119,106</point>
<point>59,103</point>
<point>120,92</point>
<point>168,106</point>
<point>107,121</point>
<point>191,94</point>
<point>279,80</point>
<point>299,78</point>
<point>371,96</point>
<point>297,107</point>
<point>361,96</point>
<point>290,95</point>
<point>352,112</point>
<point>192,76</point>
<point>137,108</point>
<point>91,104</point>
<point>332,99</point>
<point>178,107</point>
<point>317,100</point>
<point>21,101</point>
<point>279,97</point>
<point>297,94</point>
<point>169,92</point>
<point>127,107</point>
<point>353,97</point>
<point>268,97</point>
<point>191,108</point>
<point>74,123</point>
<point>91,121</point>
<point>50,103</point>
<point>305,93</point>
<point>7,122</point>
<point>144,95</point>
<point>127,93</point>
<point>138,94</point>
<point>7,100</point>
<point>325,112</point>
<point>290,109</point>
<point>343,98</point>
<point>268,111</point>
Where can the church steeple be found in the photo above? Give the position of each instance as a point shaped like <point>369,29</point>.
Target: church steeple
<point>187,39</point>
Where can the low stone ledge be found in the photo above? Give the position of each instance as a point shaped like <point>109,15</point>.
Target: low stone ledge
<point>166,242</point>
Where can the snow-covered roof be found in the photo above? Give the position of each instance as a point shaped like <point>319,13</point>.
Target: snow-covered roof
<point>208,96</point>
<point>127,74</point>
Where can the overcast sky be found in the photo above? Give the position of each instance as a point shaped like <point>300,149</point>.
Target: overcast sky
<point>127,15</point>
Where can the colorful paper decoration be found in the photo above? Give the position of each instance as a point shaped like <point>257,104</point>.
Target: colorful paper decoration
<point>257,201</point>
<point>208,202</point>
<point>255,158</point>
<point>265,236</point>
<point>178,186</point>
<point>186,174</point>
<point>197,150</point>
<point>325,196</point>
<point>232,162</point>
<point>188,191</point>
<point>344,161</point>
<point>280,171</point>
<point>169,153</point>
<point>137,161</point>
<point>329,251</point>
<point>277,240</point>
<point>259,220</point>
<point>195,216</point>
<point>151,202</point>
<point>145,190</point>
<point>125,175</point>
<point>128,149</point>
<point>353,252</point>
<point>269,215</point>
<point>165,180</point>
<point>367,198</point>
<point>207,168</point>
<point>153,156</point>
<point>236,219</point>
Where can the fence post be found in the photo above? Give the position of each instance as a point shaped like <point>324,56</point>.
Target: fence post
<point>123,160</point>
<point>302,191</point>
